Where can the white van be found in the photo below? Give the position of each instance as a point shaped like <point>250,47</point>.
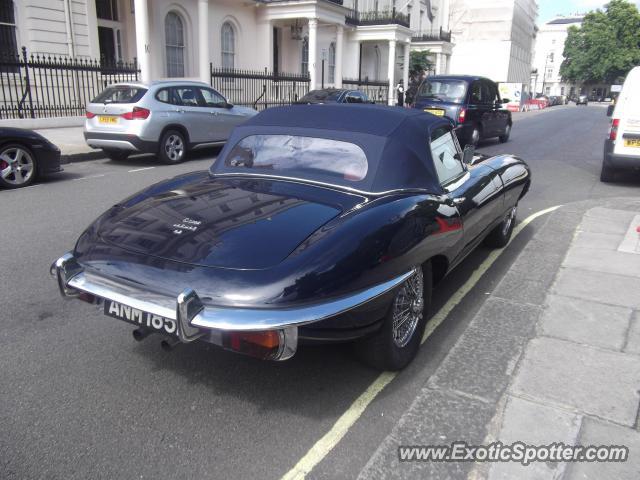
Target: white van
<point>622,148</point>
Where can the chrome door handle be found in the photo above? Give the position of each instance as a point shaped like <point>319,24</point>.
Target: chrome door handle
<point>454,202</point>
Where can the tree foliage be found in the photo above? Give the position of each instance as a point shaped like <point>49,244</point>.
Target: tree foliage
<point>605,47</point>
<point>419,64</point>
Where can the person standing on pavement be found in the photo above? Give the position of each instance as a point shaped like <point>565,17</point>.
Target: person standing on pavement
<point>400,92</point>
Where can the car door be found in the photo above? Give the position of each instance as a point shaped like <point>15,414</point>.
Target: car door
<point>193,116</point>
<point>223,118</point>
<point>501,115</point>
<point>476,191</point>
<point>479,112</point>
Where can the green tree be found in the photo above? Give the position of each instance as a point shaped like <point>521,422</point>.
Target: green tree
<point>419,64</point>
<point>605,47</point>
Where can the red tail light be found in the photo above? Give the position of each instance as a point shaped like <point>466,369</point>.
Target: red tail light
<point>138,113</point>
<point>462,115</point>
<point>90,115</point>
<point>256,344</point>
<point>613,133</point>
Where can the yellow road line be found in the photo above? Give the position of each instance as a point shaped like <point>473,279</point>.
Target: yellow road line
<point>323,446</point>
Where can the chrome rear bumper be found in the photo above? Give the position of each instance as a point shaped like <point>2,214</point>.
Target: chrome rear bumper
<point>194,319</point>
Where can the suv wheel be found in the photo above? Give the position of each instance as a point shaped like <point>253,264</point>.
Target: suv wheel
<point>116,155</point>
<point>173,147</point>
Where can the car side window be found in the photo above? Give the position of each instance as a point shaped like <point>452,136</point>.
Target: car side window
<point>187,96</point>
<point>212,98</point>
<point>445,155</point>
<point>167,95</point>
<point>488,97</point>
<point>493,93</point>
<point>476,92</point>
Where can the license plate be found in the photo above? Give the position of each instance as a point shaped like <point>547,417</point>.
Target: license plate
<point>433,111</point>
<point>108,119</point>
<point>138,317</point>
<point>632,142</point>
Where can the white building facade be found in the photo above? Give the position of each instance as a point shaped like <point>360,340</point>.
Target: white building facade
<point>493,38</point>
<point>332,40</point>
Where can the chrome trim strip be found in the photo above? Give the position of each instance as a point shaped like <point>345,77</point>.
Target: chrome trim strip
<point>192,315</point>
<point>208,144</point>
<point>321,184</point>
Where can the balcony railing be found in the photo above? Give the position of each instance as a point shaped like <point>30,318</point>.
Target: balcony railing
<point>377,17</point>
<point>431,36</point>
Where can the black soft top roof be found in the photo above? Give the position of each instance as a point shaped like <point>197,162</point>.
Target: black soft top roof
<point>395,140</point>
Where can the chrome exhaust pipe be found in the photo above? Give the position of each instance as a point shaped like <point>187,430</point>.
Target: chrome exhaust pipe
<point>169,344</point>
<point>139,334</point>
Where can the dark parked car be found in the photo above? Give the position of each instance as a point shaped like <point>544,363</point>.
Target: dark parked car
<point>582,100</point>
<point>315,224</point>
<point>334,95</point>
<point>24,156</point>
<point>473,104</point>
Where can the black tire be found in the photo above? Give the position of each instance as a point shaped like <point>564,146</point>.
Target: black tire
<point>499,237</point>
<point>383,350</point>
<point>26,159</point>
<point>173,147</point>
<point>476,135</point>
<point>116,155</point>
<point>504,138</point>
<point>607,174</point>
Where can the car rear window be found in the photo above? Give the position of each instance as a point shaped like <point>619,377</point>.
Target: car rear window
<point>445,90</point>
<point>120,94</point>
<point>321,96</point>
<point>293,156</point>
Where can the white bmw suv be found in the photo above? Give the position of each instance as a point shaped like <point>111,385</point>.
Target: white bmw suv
<point>168,118</point>
<point>622,148</point>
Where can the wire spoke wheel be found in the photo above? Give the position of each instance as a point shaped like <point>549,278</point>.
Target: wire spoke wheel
<point>408,308</point>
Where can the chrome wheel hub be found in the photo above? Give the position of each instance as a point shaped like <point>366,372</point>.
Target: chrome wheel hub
<point>407,309</point>
<point>16,166</point>
<point>174,147</point>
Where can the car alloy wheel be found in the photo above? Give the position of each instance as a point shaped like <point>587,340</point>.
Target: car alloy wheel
<point>407,307</point>
<point>508,221</point>
<point>17,167</point>
<point>174,148</point>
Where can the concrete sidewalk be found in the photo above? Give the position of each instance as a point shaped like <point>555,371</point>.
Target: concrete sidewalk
<point>552,356</point>
<point>71,142</point>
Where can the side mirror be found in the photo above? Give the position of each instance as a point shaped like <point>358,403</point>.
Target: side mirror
<point>506,100</point>
<point>228,105</point>
<point>468,154</point>
<point>610,110</point>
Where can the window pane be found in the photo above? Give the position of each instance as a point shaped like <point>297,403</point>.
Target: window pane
<point>446,90</point>
<point>174,34</point>
<point>212,98</point>
<point>107,9</point>
<point>187,96</point>
<point>6,12</point>
<point>443,150</point>
<point>120,94</point>
<point>299,157</point>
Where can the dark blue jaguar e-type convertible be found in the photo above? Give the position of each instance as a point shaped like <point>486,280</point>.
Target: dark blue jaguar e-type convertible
<point>315,224</point>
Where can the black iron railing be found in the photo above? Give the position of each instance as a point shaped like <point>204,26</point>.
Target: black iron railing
<point>39,86</point>
<point>259,89</point>
<point>431,36</point>
<point>376,90</point>
<point>377,17</point>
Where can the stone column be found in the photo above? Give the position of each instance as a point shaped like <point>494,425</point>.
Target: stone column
<point>391,72</point>
<point>143,47</point>
<point>203,41</point>
<point>405,70</point>
<point>339,55</point>
<point>438,63</point>
<point>313,52</point>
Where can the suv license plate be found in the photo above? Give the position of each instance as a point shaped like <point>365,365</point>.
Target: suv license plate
<point>108,120</point>
<point>632,142</point>
<point>138,317</point>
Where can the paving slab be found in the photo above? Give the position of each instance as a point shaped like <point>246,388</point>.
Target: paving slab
<point>617,223</point>
<point>631,241</point>
<point>481,361</point>
<point>595,432</point>
<point>583,321</point>
<point>599,241</point>
<point>620,263</point>
<point>633,338</point>
<point>534,424</point>
<point>588,379</point>
<point>598,286</point>
<point>436,417</point>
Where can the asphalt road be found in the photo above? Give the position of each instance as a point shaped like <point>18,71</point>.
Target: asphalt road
<point>80,399</point>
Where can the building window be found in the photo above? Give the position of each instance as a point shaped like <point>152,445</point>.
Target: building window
<point>305,55</point>
<point>228,45</point>
<point>107,10</point>
<point>551,57</point>
<point>561,90</point>
<point>174,35</point>
<point>332,63</point>
<point>549,73</point>
<point>8,43</point>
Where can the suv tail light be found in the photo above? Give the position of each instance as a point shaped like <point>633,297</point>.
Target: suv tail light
<point>613,133</point>
<point>462,115</point>
<point>138,113</point>
<point>90,115</point>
